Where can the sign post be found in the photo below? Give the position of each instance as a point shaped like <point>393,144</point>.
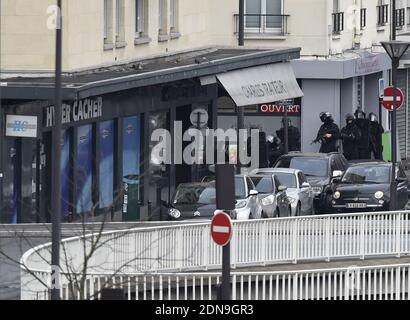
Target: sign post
<point>221,225</point>
<point>393,98</point>
<point>382,85</point>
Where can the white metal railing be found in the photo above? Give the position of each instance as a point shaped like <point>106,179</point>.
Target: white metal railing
<point>390,282</point>
<point>190,248</point>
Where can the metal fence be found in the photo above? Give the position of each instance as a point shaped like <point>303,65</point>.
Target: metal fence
<point>391,282</point>
<point>190,248</point>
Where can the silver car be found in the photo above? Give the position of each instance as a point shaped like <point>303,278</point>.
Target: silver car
<point>247,200</point>
<point>299,191</point>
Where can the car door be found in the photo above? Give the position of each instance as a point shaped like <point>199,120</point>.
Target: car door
<point>253,200</point>
<point>281,199</point>
<point>402,191</point>
<point>304,193</point>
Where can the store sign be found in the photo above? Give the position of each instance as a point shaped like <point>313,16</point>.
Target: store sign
<point>368,63</point>
<point>273,109</point>
<point>86,109</point>
<point>21,126</point>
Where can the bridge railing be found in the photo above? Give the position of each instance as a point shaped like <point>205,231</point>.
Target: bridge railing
<point>388,282</point>
<point>256,242</point>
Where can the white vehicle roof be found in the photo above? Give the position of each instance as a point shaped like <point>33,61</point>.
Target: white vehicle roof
<point>273,170</point>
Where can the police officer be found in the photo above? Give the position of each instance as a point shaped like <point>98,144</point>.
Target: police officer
<point>376,130</point>
<point>328,133</point>
<point>293,136</point>
<point>363,144</point>
<point>350,134</point>
<point>274,151</point>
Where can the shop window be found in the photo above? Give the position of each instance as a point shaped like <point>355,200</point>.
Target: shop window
<point>131,167</point>
<point>65,174</point>
<point>83,168</point>
<point>106,168</point>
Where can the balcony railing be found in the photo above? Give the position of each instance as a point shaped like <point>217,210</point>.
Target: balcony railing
<point>264,23</point>
<point>400,18</point>
<point>338,22</point>
<point>363,18</point>
<point>382,14</point>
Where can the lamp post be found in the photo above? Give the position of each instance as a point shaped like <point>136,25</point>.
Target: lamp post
<point>56,164</point>
<point>395,49</point>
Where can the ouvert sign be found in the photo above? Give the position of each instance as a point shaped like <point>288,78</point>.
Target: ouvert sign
<point>80,110</point>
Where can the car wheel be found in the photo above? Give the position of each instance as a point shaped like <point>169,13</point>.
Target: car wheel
<point>297,213</point>
<point>264,215</point>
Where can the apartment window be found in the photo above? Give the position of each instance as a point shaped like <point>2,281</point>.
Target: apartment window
<point>264,15</point>
<point>363,18</point>
<point>382,14</point>
<point>119,24</point>
<point>141,17</point>
<point>108,25</point>
<point>162,17</point>
<point>338,22</point>
<point>400,17</point>
<point>173,15</point>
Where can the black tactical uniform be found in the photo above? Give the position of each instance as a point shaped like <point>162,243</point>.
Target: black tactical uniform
<point>363,144</point>
<point>293,136</point>
<point>350,135</point>
<point>328,128</point>
<point>376,130</point>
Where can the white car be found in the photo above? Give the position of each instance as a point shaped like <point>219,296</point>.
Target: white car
<point>247,200</point>
<point>299,191</point>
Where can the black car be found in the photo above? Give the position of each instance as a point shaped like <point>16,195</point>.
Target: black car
<point>319,169</point>
<point>366,187</point>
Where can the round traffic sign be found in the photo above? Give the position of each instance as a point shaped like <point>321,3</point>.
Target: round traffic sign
<point>221,228</point>
<point>388,99</point>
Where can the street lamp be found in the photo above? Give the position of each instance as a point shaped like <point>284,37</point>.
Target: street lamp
<point>395,49</point>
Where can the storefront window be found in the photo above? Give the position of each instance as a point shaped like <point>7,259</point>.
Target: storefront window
<point>106,180</point>
<point>65,173</point>
<point>83,165</point>
<point>131,167</point>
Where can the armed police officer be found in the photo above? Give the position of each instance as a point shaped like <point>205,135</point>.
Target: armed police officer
<point>328,133</point>
<point>293,136</point>
<point>363,144</point>
<point>350,135</point>
<point>376,131</point>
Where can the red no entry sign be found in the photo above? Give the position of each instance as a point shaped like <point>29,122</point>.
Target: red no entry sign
<point>221,229</point>
<point>388,99</point>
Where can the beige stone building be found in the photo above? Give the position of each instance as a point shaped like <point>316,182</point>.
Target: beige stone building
<point>107,32</point>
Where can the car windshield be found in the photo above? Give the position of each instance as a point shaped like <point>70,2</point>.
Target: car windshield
<point>309,166</point>
<point>195,195</point>
<point>240,190</point>
<point>286,179</point>
<point>263,184</point>
<point>367,174</point>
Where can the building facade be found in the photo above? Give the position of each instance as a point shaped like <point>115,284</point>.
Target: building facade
<point>338,69</point>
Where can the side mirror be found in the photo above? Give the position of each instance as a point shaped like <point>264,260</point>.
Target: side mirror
<point>305,185</point>
<point>337,180</point>
<point>337,174</point>
<point>253,193</point>
<point>282,188</point>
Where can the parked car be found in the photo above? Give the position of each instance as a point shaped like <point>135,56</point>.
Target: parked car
<point>198,201</point>
<point>299,191</point>
<point>366,186</point>
<point>272,196</point>
<point>319,169</point>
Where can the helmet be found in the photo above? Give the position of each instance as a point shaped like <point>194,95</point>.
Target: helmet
<point>270,139</point>
<point>372,117</point>
<point>349,118</point>
<point>359,114</point>
<point>326,116</point>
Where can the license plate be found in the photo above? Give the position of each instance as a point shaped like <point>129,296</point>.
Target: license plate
<point>355,205</point>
